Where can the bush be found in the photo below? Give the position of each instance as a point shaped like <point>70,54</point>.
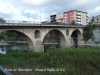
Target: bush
<point>78,61</point>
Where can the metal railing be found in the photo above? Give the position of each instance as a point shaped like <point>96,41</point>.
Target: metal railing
<point>3,72</point>
<point>33,23</point>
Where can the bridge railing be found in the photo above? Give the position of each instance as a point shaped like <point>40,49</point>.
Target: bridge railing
<point>17,23</point>
<point>32,23</point>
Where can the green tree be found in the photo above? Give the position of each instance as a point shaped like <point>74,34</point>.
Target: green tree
<point>2,20</point>
<point>88,32</point>
<point>92,20</point>
<point>72,22</point>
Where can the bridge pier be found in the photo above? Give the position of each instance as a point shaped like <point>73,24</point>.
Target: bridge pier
<point>38,46</point>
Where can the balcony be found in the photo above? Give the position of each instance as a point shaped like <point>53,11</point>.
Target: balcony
<point>78,20</point>
<point>78,14</point>
<point>78,17</point>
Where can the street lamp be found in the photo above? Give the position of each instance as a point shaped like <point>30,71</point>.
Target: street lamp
<point>28,16</point>
<point>40,16</point>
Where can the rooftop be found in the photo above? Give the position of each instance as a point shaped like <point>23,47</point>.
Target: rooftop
<point>75,10</point>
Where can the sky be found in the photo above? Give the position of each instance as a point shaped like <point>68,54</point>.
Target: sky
<point>34,10</point>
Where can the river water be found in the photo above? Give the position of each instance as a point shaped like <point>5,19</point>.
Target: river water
<point>14,46</point>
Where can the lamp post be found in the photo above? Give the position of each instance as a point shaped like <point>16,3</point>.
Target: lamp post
<point>28,16</point>
<point>40,16</point>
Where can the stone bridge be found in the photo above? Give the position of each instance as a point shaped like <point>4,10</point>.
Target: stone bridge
<point>36,34</point>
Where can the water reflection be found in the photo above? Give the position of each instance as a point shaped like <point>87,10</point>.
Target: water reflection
<point>14,46</point>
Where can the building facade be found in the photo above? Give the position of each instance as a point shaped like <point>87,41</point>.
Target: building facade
<point>53,18</point>
<point>79,17</point>
<point>88,20</point>
<point>57,18</point>
<point>97,19</point>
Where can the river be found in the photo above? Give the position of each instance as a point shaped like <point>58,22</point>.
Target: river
<point>14,46</point>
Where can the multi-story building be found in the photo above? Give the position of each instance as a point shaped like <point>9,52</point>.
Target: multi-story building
<point>53,18</point>
<point>79,17</point>
<point>97,19</point>
<point>88,20</point>
<point>57,18</point>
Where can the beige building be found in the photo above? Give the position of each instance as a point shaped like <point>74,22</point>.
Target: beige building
<point>97,19</point>
<point>57,18</point>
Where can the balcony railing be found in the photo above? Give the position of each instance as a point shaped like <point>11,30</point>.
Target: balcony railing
<point>78,14</point>
<point>78,17</point>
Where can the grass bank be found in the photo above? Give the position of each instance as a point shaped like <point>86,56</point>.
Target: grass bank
<point>68,61</point>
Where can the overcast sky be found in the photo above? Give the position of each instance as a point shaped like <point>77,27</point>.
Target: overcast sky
<point>20,9</point>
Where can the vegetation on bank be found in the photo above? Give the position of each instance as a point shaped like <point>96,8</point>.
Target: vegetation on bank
<point>88,31</point>
<point>79,61</point>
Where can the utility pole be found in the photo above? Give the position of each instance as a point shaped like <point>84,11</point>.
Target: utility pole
<point>28,16</point>
<point>40,16</point>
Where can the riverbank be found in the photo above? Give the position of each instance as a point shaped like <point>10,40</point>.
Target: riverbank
<point>69,61</point>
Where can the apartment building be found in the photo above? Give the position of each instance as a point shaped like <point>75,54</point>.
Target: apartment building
<point>57,18</point>
<point>88,20</point>
<point>53,18</point>
<point>97,19</point>
<point>79,17</point>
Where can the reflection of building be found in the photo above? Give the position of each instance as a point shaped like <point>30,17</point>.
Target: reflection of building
<point>79,17</point>
<point>57,18</point>
<point>97,19</point>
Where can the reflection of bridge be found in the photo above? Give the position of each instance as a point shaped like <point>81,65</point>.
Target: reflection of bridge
<point>36,33</point>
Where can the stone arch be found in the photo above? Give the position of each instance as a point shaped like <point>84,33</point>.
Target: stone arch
<point>28,39</point>
<point>76,37</point>
<point>53,35</point>
<point>67,32</point>
<point>37,34</point>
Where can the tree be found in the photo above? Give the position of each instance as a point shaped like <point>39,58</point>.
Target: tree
<point>88,32</point>
<point>2,20</point>
<point>72,22</point>
<point>92,20</point>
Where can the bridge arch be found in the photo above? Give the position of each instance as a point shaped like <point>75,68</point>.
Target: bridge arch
<point>28,39</point>
<point>54,37</point>
<point>76,36</point>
